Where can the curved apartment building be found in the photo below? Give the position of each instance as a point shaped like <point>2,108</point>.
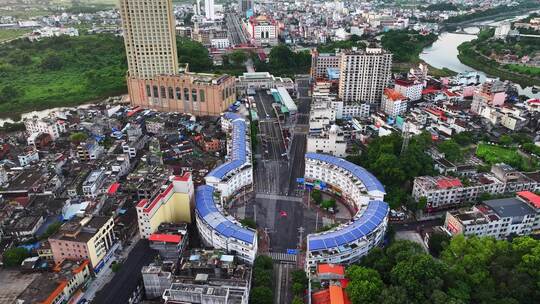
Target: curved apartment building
<point>359,189</point>
<point>216,227</point>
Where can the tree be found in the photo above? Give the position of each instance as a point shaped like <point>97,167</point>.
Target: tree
<point>238,57</point>
<point>437,242</point>
<point>9,94</point>
<point>463,138</point>
<point>365,284</point>
<point>195,54</point>
<point>297,300</point>
<point>329,203</point>
<point>316,196</point>
<point>264,262</point>
<point>51,229</point>
<point>393,295</point>
<point>505,140</point>
<point>419,275</point>
<point>52,62</point>
<point>250,223</point>
<point>262,277</point>
<point>451,150</point>
<point>15,256</point>
<point>261,295</point>
<point>77,137</point>
<point>298,288</point>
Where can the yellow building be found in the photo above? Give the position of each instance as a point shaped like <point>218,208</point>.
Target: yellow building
<point>173,205</point>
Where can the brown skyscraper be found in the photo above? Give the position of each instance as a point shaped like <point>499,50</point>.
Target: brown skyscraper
<point>153,79</point>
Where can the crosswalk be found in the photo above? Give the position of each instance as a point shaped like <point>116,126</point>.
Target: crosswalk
<point>279,256</point>
<point>278,197</point>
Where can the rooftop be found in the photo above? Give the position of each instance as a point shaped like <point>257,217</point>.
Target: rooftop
<point>510,207</point>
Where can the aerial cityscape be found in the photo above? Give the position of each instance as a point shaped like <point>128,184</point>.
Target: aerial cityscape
<point>269,151</point>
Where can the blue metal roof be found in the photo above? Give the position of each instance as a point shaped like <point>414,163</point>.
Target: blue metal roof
<point>238,149</point>
<point>371,218</point>
<point>206,207</point>
<point>369,181</point>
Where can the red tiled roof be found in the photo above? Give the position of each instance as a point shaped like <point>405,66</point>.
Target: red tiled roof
<point>167,238</point>
<point>531,197</point>
<point>330,268</point>
<point>448,183</point>
<point>321,297</point>
<point>113,188</point>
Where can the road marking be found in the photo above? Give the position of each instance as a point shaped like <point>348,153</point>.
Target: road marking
<point>278,197</point>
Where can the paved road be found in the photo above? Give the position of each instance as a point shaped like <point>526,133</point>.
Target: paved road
<point>125,281</point>
<point>235,29</point>
<point>282,275</point>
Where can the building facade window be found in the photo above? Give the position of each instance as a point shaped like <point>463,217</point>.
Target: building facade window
<point>163,92</point>
<point>201,96</point>
<point>148,91</point>
<point>194,94</point>
<point>178,93</point>
<point>156,93</point>
<point>171,93</point>
<point>186,94</point>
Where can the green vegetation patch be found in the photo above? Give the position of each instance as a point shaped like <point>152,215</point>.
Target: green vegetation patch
<point>493,154</point>
<point>9,34</point>
<point>406,45</point>
<point>60,71</point>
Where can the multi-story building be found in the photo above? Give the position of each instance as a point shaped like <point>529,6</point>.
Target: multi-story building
<point>53,127</point>
<point>89,238</point>
<point>154,78</point>
<point>490,93</point>
<point>149,37</point>
<point>245,5</point>
<point>57,286</point>
<point>209,276</point>
<point>364,74</point>
<point>170,240</point>
<point>321,62</point>
<point>28,157</point>
<point>409,88</point>
<point>231,179</point>
<point>157,278</point>
<point>261,80</point>
<point>174,204</point>
<point>394,103</point>
<point>360,190</point>
<point>330,140</point>
<point>499,218</point>
<point>209,9</point>
<point>237,173</point>
<point>93,182</point>
<point>262,30</point>
<point>89,150</point>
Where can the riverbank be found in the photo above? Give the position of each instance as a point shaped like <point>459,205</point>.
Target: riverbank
<point>469,56</point>
<point>404,67</point>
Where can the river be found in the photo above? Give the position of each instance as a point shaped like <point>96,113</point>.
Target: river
<point>443,54</point>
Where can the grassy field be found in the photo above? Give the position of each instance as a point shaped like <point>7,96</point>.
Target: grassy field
<point>61,71</point>
<point>8,34</point>
<point>524,69</point>
<point>493,154</point>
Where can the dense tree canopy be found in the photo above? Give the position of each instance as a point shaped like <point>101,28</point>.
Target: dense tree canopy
<point>470,270</point>
<point>394,169</point>
<point>406,45</point>
<point>284,62</point>
<point>451,150</point>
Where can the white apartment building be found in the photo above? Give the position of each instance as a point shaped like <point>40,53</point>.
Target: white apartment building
<point>358,188</point>
<point>92,184</point>
<point>53,127</point>
<point>174,204</point>
<point>149,37</point>
<point>262,30</point>
<point>364,74</point>
<point>220,43</point>
<point>232,178</point>
<point>409,88</point>
<point>330,140</point>
<point>28,157</point>
<point>394,103</point>
<point>499,218</point>
<point>209,9</point>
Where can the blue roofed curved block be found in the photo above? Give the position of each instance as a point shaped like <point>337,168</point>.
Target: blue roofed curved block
<point>369,180</point>
<point>362,225</point>
<point>212,216</point>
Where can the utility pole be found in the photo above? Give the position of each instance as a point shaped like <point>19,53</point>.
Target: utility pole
<point>300,236</point>
<point>406,137</point>
<point>317,221</point>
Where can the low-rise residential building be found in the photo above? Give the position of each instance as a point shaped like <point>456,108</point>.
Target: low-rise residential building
<point>409,88</point>
<point>174,204</point>
<point>498,218</point>
<point>89,238</point>
<point>52,126</point>
<point>57,286</point>
<point>394,103</point>
<point>89,150</point>
<point>170,240</point>
<point>28,157</point>
<point>209,276</point>
<point>92,185</point>
<point>329,140</point>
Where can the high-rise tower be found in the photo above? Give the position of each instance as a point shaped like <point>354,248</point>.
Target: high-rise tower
<point>149,37</point>
<point>209,9</point>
